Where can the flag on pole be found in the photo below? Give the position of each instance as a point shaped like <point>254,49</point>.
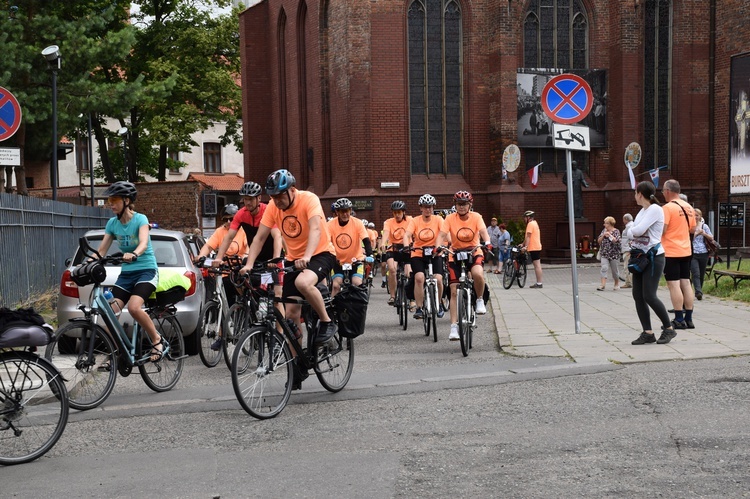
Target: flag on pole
<point>654,176</point>
<point>533,172</point>
<point>632,178</point>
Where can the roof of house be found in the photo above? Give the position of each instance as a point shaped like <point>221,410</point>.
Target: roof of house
<point>219,181</point>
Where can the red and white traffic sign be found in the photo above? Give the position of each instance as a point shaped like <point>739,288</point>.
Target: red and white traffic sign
<point>567,99</point>
<point>10,114</point>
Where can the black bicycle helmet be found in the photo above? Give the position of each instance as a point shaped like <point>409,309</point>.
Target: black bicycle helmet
<point>230,210</point>
<point>398,205</point>
<point>279,182</point>
<point>342,204</point>
<point>122,189</point>
<point>252,189</point>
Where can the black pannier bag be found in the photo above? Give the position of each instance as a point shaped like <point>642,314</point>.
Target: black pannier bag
<point>23,328</point>
<point>351,308</point>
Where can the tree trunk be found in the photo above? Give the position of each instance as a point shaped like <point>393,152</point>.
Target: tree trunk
<point>101,140</point>
<point>162,163</point>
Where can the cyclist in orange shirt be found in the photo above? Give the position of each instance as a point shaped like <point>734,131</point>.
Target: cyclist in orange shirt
<point>423,233</point>
<point>533,244</point>
<point>303,227</point>
<point>393,235</point>
<point>464,228</point>
<point>348,234</point>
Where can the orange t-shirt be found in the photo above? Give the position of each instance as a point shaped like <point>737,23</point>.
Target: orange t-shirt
<point>294,224</point>
<point>423,233</point>
<point>238,246</point>
<point>394,231</point>
<point>347,240</point>
<point>535,241</point>
<point>373,234</point>
<point>676,238</point>
<point>464,233</point>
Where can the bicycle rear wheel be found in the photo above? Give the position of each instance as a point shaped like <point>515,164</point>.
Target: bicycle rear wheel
<point>335,363</point>
<point>433,312</point>
<point>33,407</point>
<point>399,305</point>
<point>164,374</point>
<point>262,372</point>
<point>210,330</point>
<point>238,322</point>
<point>88,380</point>
<point>509,273</point>
<point>404,306</point>
<point>521,274</point>
<point>464,321</point>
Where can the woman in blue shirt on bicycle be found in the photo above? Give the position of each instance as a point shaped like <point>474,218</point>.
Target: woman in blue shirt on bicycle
<point>139,275</point>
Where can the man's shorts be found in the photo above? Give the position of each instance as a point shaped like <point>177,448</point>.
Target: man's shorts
<point>676,268</point>
<point>321,264</point>
<point>535,255</point>
<point>357,271</point>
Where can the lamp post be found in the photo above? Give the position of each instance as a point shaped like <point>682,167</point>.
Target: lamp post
<point>53,57</point>
<point>123,132</point>
<point>91,160</point>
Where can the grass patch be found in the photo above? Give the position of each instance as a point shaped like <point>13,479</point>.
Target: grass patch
<point>725,289</point>
<point>45,305</point>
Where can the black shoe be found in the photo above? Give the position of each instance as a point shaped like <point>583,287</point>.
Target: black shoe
<point>678,325</point>
<point>382,284</point>
<point>326,331</point>
<point>536,286</point>
<point>666,335</point>
<point>643,339</point>
<point>440,312</point>
<point>698,296</point>
<point>689,324</point>
<point>419,314</point>
<point>670,311</point>
<point>216,345</point>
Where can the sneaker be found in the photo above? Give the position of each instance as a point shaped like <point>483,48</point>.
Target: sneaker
<point>678,325</point>
<point>325,333</point>
<point>689,324</point>
<point>216,345</point>
<point>627,286</point>
<point>536,286</point>
<point>441,311</point>
<point>382,284</point>
<point>480,308</point>
<point>418,314</point>
<point>454,333</point>
<point>643,339</point>
<point>666,335</point>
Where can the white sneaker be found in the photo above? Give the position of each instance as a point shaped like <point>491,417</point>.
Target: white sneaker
<point>454,333</point>
<point>480,308</point>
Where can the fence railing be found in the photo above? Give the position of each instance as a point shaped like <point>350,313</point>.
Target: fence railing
<point>36,237</point>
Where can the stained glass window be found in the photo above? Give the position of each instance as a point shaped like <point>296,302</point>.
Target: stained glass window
<point>435,86</point>
<point>555,34</point>
<point>656,85</point>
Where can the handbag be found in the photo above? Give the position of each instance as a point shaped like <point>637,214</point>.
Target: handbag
<point>599,254</point>
<point>712,246</point>
<point>638,262</point>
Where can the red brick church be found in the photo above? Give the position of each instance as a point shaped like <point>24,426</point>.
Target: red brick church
<point>384,99</point>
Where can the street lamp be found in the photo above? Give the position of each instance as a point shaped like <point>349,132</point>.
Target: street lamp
<point>52,54</point>
<point>123,132</point>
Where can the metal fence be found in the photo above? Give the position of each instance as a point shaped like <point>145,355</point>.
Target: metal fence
<point>36,237</point>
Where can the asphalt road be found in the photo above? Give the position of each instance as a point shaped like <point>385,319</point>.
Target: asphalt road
<point>417,420</point>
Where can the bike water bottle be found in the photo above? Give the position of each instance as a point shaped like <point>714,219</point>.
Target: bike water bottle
<point>112,303</point>
<point>262,309</point>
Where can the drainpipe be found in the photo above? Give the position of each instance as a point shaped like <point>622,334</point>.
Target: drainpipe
<point>711,109</point>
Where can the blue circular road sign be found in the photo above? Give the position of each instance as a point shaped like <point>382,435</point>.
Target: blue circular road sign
<point>10,114</point>
<point>567,99</point>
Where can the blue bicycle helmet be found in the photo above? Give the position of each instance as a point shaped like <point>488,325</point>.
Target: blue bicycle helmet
<point>279,182</point>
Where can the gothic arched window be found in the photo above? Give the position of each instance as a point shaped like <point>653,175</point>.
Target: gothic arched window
<point>435,86</point>
<point>555,34</point>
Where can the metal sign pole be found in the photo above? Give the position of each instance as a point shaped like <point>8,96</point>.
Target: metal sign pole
<point>573,256</point>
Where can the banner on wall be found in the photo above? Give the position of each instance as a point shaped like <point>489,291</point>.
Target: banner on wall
<point>739,126</point>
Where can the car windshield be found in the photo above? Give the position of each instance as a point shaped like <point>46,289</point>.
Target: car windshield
<point>167,250</point>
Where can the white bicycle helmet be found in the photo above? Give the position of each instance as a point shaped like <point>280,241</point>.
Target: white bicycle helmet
<point>427,200</point>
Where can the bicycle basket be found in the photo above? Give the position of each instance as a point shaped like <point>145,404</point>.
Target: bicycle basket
<point>351,309</point>
<point>89,273</point>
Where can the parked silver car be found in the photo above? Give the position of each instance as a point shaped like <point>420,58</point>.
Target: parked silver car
<point>173,250</point>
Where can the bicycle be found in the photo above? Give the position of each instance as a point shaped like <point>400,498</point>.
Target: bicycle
<point>269,360</point>
<point>98,355</point>
<point>430,301</point>
<point>33,399</point>
<point>514,268</point>
<point>401,301</point>
<point>220,320</point>
<point>465,298</point>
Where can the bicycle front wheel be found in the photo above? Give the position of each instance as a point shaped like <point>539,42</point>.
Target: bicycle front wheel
<point>89,379</point>
<point>238,322</point>
<point>521,274</point>
<point>335,363</point>
<point>404,306</point>
<point>433,312</point>
<point>164,374</point>
<point>33,407</point>
<point>210,330</point>
<point>509,273</point>
<point>464,321</point>
<point>262,372</point>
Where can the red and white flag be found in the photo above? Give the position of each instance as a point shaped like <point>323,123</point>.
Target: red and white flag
<point>533,172</point>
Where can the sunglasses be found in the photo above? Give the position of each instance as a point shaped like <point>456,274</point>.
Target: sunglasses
<point>228,219</point>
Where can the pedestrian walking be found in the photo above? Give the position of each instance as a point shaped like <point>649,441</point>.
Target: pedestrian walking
<point>494,256</point>
<point>625,238</point>
<point>609,253</point>
<point>700,253</point>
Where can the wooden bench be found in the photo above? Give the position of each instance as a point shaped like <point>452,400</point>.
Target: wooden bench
<point>736,275</point>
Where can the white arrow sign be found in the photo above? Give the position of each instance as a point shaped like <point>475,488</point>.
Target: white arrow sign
<point>571,137</point>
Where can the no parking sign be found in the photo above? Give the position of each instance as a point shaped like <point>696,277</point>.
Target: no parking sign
<point>10,114</point>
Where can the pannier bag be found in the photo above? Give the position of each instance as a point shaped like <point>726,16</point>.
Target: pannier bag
<point>351,308</point>
<point>23,328</point>
<point>89,273</point>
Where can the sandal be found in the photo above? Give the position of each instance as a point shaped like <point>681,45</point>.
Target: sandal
<point>496,272</point>
<point>158,354</point>
<point>391,301</point>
